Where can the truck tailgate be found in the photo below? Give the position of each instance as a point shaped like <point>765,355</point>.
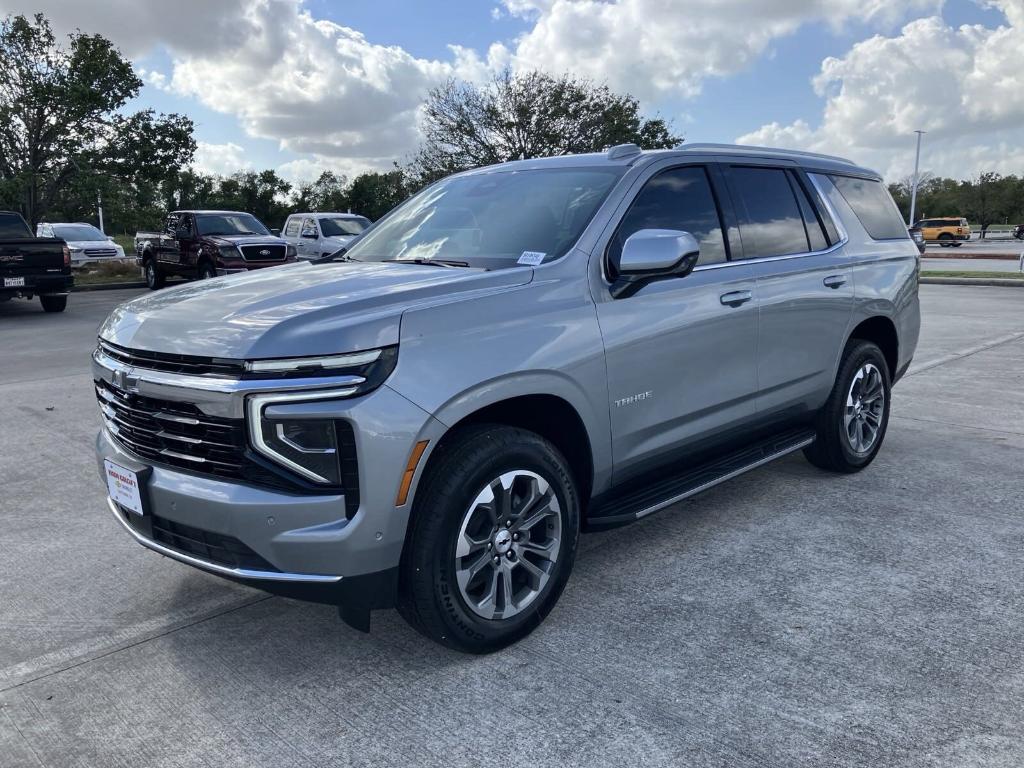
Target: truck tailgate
<point>31,256</point>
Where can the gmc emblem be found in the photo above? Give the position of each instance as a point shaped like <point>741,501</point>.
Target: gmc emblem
<point>125,381</point>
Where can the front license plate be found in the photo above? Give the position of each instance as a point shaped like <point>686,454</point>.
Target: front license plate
<point>14,282</point>
<point>123,486</point>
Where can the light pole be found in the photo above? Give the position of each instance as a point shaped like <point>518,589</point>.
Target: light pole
<point>99,209</point>
<point>913,187</point>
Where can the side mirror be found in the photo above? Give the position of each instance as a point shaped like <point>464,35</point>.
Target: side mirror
<point>275,232</point>
<point>654,254</point>
<point>182,234</point>
<point>310,236</point>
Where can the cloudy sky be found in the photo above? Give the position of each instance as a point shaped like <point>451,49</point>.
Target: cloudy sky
<point>303,85</point>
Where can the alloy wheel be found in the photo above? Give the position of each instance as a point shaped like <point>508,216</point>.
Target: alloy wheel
<point>865,408</point>
<point>508,544</point>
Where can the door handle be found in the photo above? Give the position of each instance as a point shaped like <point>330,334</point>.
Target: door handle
<point>736,298</point>
<point>835,281</point>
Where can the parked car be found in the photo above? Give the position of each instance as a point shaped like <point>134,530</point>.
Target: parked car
<point>316,235</point>
<point>947,231</point>
<point>513,355</point>
<point>87,243</point>
<point>33,266</point>
<point>205,244</point>
<point>918,237</point>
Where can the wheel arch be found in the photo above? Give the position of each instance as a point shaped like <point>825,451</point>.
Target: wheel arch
<point>550,415</point>
<point>882,331</point>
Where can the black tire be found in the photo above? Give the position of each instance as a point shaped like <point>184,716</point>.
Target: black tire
<point>429,594</point>
<point>956,244</point>
<point>154,277</point>
<point>945,240</point>
<point>206,270</point>
<point>832,448</point>
<point>54,303</point>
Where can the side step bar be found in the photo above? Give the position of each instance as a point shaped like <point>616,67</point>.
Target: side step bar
<point>625,508</point>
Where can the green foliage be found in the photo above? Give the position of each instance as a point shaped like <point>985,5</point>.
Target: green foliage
<point>986,200</point>
<point>374,194</point>
<point>524,116</point>
<point>63,138</point>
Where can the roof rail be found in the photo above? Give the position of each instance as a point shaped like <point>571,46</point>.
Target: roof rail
<point>750,149</point>
<point>623,150</point>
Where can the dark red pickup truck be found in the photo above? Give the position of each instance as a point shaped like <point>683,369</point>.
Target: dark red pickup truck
<point>33,266</point>
<point>203,244</point>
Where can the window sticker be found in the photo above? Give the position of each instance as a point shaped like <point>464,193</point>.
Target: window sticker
<point>531,258</point>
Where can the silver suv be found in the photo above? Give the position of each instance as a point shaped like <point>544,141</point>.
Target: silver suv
<point>514,355</point>
<point>316,235</point>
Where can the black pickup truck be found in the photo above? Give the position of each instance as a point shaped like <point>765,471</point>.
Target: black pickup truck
<point>33,266</point>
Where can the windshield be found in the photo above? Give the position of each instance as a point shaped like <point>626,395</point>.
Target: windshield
<point>343,227</point>
<point>78,232</point>
<point>491,220</point>
<point>229,224</point>
<point>13,227</point>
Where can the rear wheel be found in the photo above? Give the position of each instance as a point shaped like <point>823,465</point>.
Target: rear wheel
<point>852,424</point>
<point>492,539</point>
<point>54,303</point>
<point>154,277</point>
<point>945,240</point>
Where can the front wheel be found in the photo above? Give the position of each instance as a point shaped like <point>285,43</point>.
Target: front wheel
<point>207,271</point>
<point>851,426</point>
<point>492,539</point>
<point>154,277</point>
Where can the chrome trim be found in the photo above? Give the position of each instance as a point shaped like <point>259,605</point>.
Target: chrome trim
<point>254,411</point>
<point>219,383</point>
<point>728,476</point>
<point>214,396</point>
<point>223,570</point>
<point>349,360</point>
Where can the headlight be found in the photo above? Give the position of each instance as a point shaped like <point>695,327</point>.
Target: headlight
<point>306,446</point>
<point>290,251</point>
<point>229,252</point>
<point>369,367</point>
<point>309,446</point>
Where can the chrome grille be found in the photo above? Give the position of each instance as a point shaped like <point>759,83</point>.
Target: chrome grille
<point>173,363</point>
<point>263,252</point>
<point>174,433</point>
<point>100,252</point>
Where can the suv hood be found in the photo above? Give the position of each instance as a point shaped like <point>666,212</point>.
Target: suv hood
<point>295,310</point>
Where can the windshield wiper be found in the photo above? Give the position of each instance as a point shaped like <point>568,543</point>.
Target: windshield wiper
<point>432,262</point>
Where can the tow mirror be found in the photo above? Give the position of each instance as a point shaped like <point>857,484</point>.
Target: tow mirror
<point>654,254</point>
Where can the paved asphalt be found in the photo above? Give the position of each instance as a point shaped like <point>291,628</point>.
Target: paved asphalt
<point>787,618</point>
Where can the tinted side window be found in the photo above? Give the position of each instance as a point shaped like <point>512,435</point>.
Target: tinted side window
<point>812,223</point>
<point>292,227</point>
<point>873,206</point>
<point>13,226</point>
<point>770,220</point>
<point>171,225</point>
<point>185,225</point>
<point>679,198</point>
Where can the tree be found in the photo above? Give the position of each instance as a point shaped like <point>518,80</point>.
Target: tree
<point>60,123</point>
<point>374,194</point>
<point>524,116</point>
<point>327,193</point>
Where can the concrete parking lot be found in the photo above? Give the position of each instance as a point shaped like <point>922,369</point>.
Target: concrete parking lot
<point>786,618</point>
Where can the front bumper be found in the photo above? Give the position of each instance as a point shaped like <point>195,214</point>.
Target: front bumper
<point>310,547</point>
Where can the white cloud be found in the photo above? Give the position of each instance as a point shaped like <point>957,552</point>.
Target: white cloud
<point>220,159</point>
<point>654,48</point>
<point>136,26</point>
<point>964,86</point>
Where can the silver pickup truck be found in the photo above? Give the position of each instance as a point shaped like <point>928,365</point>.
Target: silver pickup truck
<point>514,355</point>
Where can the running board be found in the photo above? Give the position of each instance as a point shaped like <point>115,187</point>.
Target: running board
<point>625,508</point>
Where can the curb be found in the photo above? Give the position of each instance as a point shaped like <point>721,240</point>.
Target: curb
<point>107,286</point>
<point>996,256</point>
<point>990,281</point>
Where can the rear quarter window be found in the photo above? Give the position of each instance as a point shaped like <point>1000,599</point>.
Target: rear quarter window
<point>874,207</point>
<point>13,227</point>
<point>291,229</point>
